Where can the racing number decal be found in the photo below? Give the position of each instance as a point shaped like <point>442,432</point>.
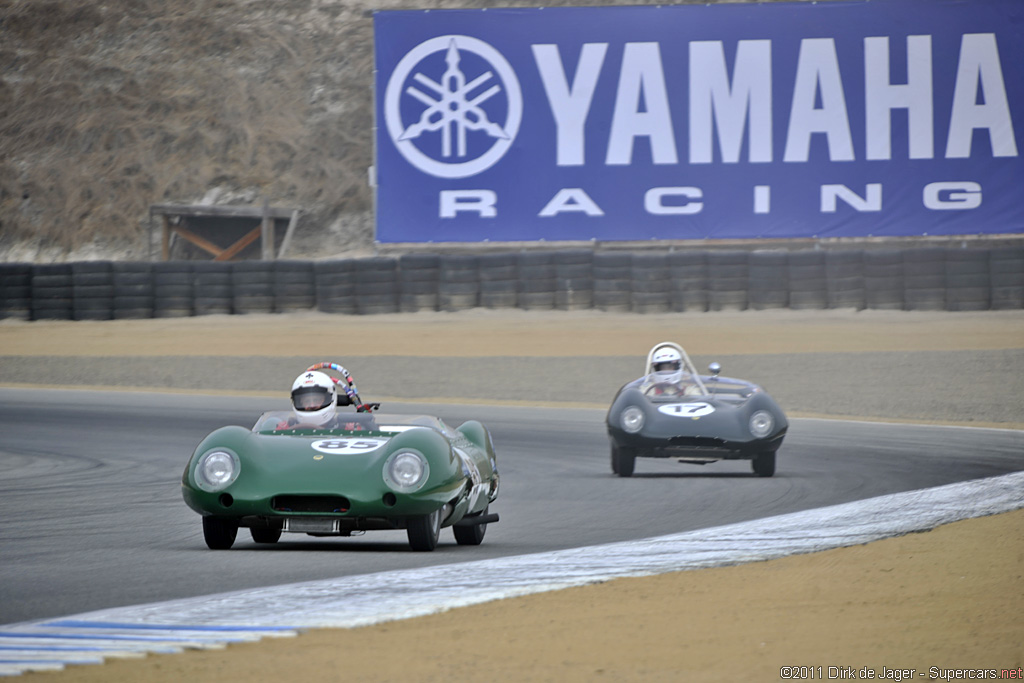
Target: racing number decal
<point>347,446</point>
<point>693,410</point>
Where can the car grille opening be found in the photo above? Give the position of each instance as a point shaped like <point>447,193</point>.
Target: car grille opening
<point>700,442</point>
<point>318,504</point>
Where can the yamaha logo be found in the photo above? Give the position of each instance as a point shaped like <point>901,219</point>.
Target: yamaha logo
<point>453,106</point>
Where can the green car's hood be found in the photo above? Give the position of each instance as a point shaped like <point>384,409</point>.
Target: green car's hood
<point>343,463</point>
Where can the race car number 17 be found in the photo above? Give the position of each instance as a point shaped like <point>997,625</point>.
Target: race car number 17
<point>687,409</point>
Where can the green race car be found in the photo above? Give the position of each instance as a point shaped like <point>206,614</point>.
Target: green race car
<point>324,472</point>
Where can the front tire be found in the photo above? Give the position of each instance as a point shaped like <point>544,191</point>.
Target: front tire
<point>764,464</point>
<point>471,535</point>
<point>265,535</point>
<point>424,531</point>
<point>623,461</point>
<point>219,533</point>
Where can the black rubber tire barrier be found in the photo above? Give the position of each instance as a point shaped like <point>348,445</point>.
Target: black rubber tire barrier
<point>51,309</point>
<point>458,288</point>
<point>571,257</point>
<point>419,275</point>
<point>377,287</point>
<point>574,270</point>
<point>768,266</point>
<point>338,271</point>
<point>213,289</point>
<point>252,287</point>
<point>968,280</point>
<point>612,274</point>
<point>458,269</point>
<point>172,289</point>
<point>924,279</point>
<point>498,299</point>
<point>342,305</point>
<point>768,279</point>
<point>204,305</point>
<point>375,304</point>
<point>728,275</point>
<point>16,291</point>
<point>806,271</point>
<point>1007,266</point>
<point>412,303</point>
<point>650,283</point>
<point>623,286</point>
<point>762,299</point>
<point>499,287</point>
<point>543,271</point>
<point>537,276</point>
<point>725,299</point>
<point>499,274</point>
<point>807,274</point>
<point>294,286</point>
<point>611,301</point>
<point>919,278</point>
<point>649,302</point>
<point>612,265</point>
<point>536,301</point>
<point>52,291</point>
<point>419,261</point>
<point>133,290</point>
<point>689,275</point>
<point>458,284</point>
<point>335,286</point>
<point>574,299</point>
<point>538,286</point>
<point>92,291</point>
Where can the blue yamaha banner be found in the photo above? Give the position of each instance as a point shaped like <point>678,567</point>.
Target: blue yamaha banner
<point>770,120</point>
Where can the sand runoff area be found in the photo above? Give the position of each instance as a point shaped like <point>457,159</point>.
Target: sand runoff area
<point>946,604</point>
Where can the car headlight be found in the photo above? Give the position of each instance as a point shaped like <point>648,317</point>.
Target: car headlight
<point>406,471</point>
<point>761,424</point>
<point>216,470</point>
<point>632,419</point>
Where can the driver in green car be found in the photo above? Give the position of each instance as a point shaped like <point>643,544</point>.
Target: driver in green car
<point>314,401</point>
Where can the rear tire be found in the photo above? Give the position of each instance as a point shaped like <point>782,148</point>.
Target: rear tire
<point>623,461</point>
<point>219,532</point>
<point>471,535</point>
<point>424,531</point>
<point>265,535</point>
<point>764,464</point>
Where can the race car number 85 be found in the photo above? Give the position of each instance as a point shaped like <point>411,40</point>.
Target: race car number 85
<point>347,446</point>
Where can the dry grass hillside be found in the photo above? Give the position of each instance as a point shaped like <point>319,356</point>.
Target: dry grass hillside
<point>109,107</point>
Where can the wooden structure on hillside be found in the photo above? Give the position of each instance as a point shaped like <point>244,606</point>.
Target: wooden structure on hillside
<point>226,231</point>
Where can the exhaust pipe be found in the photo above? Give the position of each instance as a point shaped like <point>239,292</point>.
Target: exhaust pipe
<point>477,520</point>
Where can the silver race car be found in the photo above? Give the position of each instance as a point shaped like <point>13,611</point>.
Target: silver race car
<point>674,412</point>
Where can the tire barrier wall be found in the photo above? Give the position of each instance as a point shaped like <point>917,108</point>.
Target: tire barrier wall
<point>925,278</point>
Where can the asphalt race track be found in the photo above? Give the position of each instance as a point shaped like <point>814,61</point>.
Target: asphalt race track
<point>93,516</point>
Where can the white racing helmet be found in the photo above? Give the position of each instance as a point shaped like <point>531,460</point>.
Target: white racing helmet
<point>314,398</point>
<point>666,366</point>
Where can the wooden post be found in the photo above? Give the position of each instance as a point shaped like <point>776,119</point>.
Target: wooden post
<point>288,234</point>
<point>165,221</point>
<point>268,233</point>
